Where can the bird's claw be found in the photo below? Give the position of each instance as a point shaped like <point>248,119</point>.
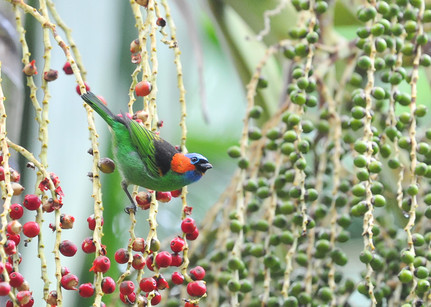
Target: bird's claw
<point>131,209</point>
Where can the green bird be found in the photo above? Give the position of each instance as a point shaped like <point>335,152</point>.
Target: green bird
<point>144,158</point>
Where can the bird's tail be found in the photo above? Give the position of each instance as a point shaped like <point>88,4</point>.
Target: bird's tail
<point>97,105</point>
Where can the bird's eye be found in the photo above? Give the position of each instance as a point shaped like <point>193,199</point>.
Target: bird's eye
<point>194,159</point>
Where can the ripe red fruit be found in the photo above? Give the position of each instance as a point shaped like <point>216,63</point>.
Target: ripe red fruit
<point>196,288</point>
<point>78,89</point>
<point>177,260</point>
<point>24,297</point>
<point>163,259</point>
<point>192,236</point>
<point>176,193</point>
<point>32,202</point>
<point>108,285</point>
<point>128,299</point>
<point>69,281</point>
<point>138,245</point>
<point>143,200</point>
<point>67,68</point>
<point>127,287</point>
<point>188,225</point>
<point>162,283</point>
<point>138,262</point>
<point>16,211</point>
<point>177,244</point>
<point>163,197</point>
<point>143,88</point>
<point>4,288</point>
<point>101,264</point>
<point>156,298</point>
<point>13,227</point>
<point>52,298</point>
<point>31,229</point>
<point>148,284</point>
<point>121,256</point>
<point>86,290</point>
<point>149,261</point>
<point>15,238</point>
<point>92,222</point>
<point>10,247</point>
<point>177,278</point>
<point>16,279</point>
<point>9,267</point>
<point>2,267</point>
<point>64,271</point>
<point>88,245</point>
<point>197,273</point>
<point>67,248</point>
<point>190,304</point>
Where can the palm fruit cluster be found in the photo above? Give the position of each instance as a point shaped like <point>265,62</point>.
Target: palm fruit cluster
<point>331,196</point>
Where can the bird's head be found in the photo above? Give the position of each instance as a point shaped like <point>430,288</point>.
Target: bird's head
<point>192,165</point>
<point>199,162</point>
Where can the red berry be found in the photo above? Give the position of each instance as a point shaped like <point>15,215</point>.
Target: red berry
<point>192,236</point>
<point>16,279</point>
<point>16,211</point>
<point>163,259</point>
<point>88,245</point>
<point>31,229</point>
<point>143,199</point>
<point>177,278</point>
<point>121,256</point>
<point>67,248</point>
<point>176,193</point>
<point>24,297</point>
<point>78,88</point>
<point>138,245</point>
<point>66,221</point>
<point>9,303</point>
<point>32,202</point>
<point>101,264</point>
<point>127,287</point>
<point>128,299</point>
<point>156,298</point>
<point>188,225</point>
<point>9,267</point>
<point>177,260</point>
<point>52,298</point>
<point>143,88</point>
<point>163,197</point>
<point>108,285</point>
<point>64,271</point>
<point>177,244</point>
<point>86,290</point>
<point>67,68</point>
<point>190,304</point>
<point>196,288</point>
<point>148,284</point>
<point>69,281</point>
<point>14,227</point>
<point>138,262</point>
<point>197,273</point>
<point>1,173</point>
<point>15,238</point>
<point>10,247</point>
<point>92,222</point>
<point>162,283</point>
<point>2,267</point>
<point>4,288</point>
<point>149,261</point>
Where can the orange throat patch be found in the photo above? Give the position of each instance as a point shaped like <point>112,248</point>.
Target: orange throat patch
<point>181,164</point>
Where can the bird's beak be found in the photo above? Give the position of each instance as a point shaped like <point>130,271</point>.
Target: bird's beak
<point>204,167</point>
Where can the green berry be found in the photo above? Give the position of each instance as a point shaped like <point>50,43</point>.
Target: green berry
<point>255,112</point>
<point>405,276</point>
<point>234,152</point>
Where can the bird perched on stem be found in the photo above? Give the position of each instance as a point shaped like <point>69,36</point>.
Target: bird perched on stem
<point>145,159</point>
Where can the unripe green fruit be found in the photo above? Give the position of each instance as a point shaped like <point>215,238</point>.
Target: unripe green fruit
<point>234,152</point>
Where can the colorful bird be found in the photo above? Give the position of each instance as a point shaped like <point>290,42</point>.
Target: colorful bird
<point>145,159</point>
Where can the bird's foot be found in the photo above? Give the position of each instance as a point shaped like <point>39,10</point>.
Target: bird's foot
<point>131,209</point>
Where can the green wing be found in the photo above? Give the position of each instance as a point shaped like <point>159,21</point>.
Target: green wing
<point>144,140</point>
